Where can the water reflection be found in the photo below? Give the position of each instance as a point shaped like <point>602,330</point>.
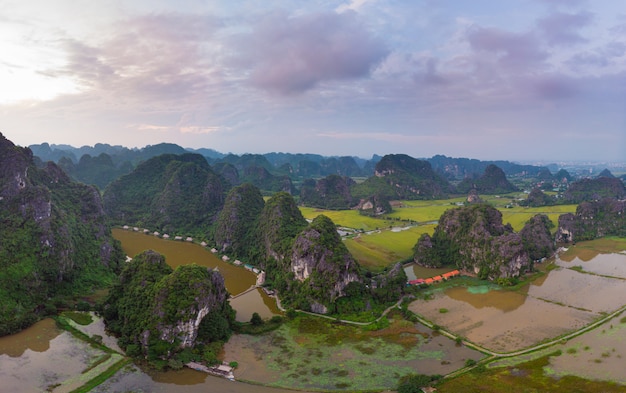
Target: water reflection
<point>254,301</point>
<point>414,271</point>
<point>505,301</point>
<point>36,338</point>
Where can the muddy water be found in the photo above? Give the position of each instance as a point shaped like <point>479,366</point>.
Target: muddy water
<point>613,265</point>
<point>599,354</point>
<point>254,301</point>
<point>414,271</point>
<point>561,301</point>
<point>133,379</point>
<point>41,356</point>
<point>182,253</point>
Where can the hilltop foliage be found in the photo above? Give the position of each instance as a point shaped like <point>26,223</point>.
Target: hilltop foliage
<point>235,229</point>
<point>169,193</point>
<point>279,224</point>
<point>159,314</point>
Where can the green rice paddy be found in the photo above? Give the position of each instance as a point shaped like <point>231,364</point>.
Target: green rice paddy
<point>383,244</point>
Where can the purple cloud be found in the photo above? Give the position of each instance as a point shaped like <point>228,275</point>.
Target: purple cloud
<point>554,87</point>
<point>156,56</point>
<point>515,51</point>
<point>561,28</point>
<point>292,54</point>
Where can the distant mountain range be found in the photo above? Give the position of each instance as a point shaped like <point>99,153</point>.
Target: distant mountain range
<point>83,162</point>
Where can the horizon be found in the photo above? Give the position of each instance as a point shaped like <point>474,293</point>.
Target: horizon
<point>618,164</point>
<point>523,80</point>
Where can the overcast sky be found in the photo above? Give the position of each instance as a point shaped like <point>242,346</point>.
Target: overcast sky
<point>486,79</point>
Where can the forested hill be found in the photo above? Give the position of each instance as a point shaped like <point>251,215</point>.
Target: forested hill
<point>54,242</point>
<point>169,193</point>
<point>460,168</point>
<point>399,176</point>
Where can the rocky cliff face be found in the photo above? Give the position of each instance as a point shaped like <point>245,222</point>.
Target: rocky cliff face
<point>54,237</point>
<point>183,299</point>
<point>474,238</point>
<point>321,263</point>
<point>536,237</point>
<point>606,217</point>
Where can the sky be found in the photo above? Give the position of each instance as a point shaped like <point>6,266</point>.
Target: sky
<point>487,79</point>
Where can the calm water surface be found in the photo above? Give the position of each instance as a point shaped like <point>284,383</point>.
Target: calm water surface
<point>40,357</point>
<point>564,299</point>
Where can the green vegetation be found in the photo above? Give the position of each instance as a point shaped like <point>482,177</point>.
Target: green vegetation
<point>331,192</point>
<point>528,377</point>
<point>80,318</point>
<point>235,230</point>
<point>413,383</point>
<point>402,177</point>
<point>151,300</point>
<point>314,353</point>
<point>169,193</point>
<point>377,250</point>
<point>55,244</point>
<point>347,218</point>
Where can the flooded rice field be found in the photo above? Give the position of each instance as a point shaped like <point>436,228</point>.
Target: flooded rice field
<point>41,358</point>
<point>567,298</point>
<point>315,353</point>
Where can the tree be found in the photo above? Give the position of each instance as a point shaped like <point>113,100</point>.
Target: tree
<point>413,383</point>
<point>256,319</point>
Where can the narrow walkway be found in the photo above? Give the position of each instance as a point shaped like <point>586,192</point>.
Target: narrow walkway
<point>252,288</point>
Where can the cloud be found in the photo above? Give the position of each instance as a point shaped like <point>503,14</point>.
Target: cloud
<point>562,28</point>
<point>554,87</point>
<point>292,54</point>
<point>513,50</point>
<point>158,57</point>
